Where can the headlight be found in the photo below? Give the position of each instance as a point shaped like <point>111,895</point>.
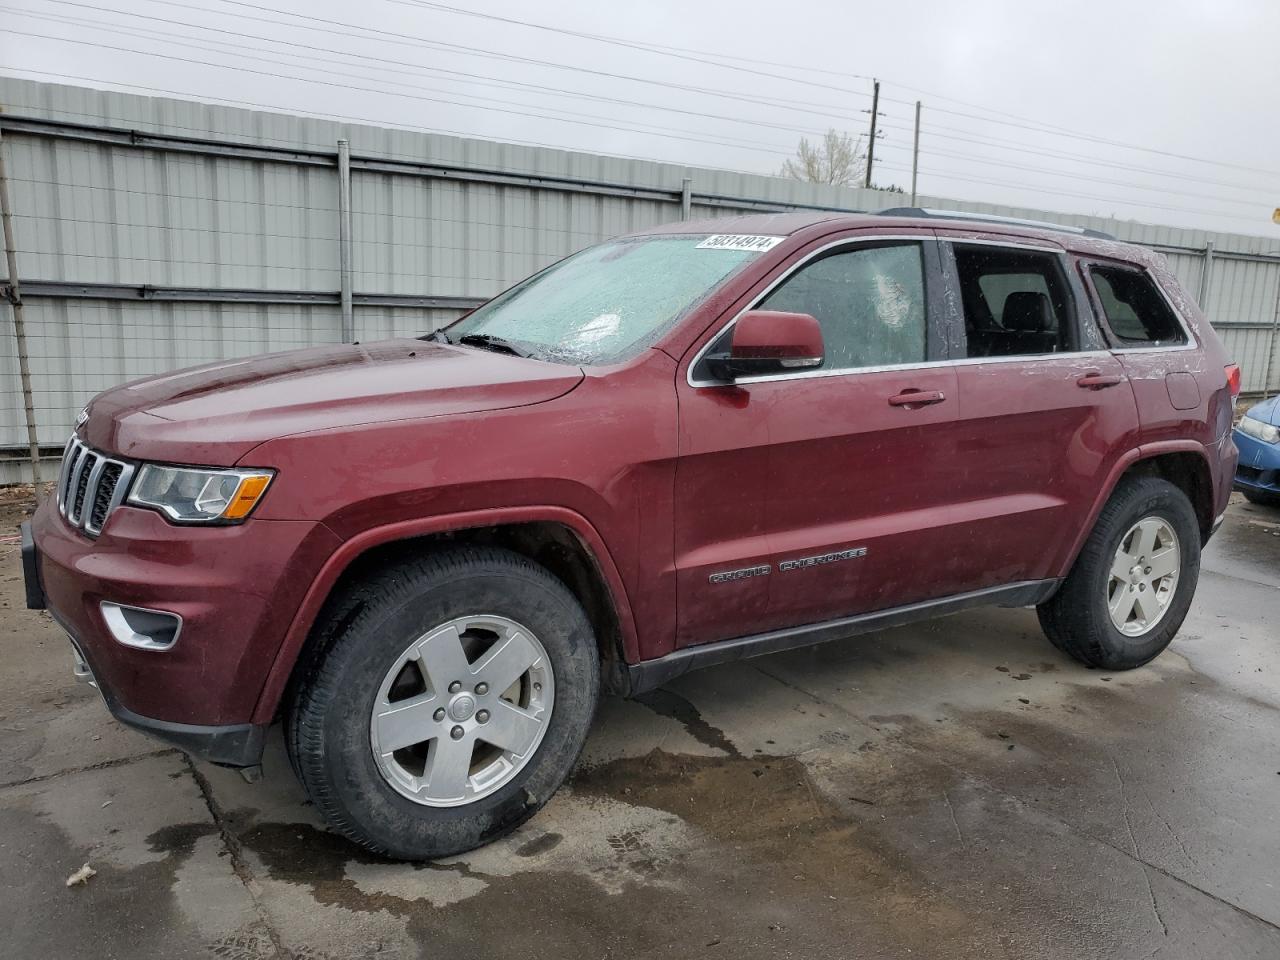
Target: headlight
<point>1259,430</point>
<point>189,495</point>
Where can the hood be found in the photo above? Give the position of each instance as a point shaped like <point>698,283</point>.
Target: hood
<point>216,413</point>
<point>1268,411</point>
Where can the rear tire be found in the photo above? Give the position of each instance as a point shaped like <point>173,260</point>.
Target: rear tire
<point>1130,588</point>
<point>393,728</point>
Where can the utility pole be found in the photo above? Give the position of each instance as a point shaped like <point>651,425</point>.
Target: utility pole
<point>19,324</point>
<point>871,144</point>
<point>915,156</point>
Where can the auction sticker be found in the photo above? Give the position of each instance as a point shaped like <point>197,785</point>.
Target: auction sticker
<point>738,241</point>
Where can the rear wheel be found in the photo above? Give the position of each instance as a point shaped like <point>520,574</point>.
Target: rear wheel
<point>450,708</point>
<point>1133,582</point>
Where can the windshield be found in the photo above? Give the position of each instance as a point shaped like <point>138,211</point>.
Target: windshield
<point>607,302</point>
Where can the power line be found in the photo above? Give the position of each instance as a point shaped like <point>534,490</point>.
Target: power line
<point>505,84</point>
<point>416,69</point>
<point>669,49</point>
<point>412,40</point>
<point>1024,123</point>
<point>944,132</point>
<point>661,131</point>
<point>827,111</point>
<point>933,130</point>
<point>430,130</point>
<point>617,41</point>
<point>677,135</point>
<point>1076,176</point>
<point>342,117</point>
<point>1080,196</point>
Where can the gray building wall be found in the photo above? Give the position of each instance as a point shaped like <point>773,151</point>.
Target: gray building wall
<point>242,248</point>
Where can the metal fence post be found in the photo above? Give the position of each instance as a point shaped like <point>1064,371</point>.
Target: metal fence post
<point>344,240</point>
<point>1206,274</point>
<point>686,198</point>
<point>14,291</point>
<point>1273,345</point>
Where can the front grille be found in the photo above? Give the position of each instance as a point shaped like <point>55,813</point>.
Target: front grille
<point>90,486</point>
<point>106,493</point>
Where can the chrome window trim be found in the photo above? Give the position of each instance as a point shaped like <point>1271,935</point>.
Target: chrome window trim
<point>853,371</point>
<point>1061,252</point>
<point>926,365</point>
<point>984,242</point>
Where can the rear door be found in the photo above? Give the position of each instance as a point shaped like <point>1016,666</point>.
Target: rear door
<point>817,494</point>
<point>1045,409</point>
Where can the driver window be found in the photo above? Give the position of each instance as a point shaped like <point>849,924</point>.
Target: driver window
<point>869,301</point>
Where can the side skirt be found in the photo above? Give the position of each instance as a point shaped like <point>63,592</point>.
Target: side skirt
<point>651,674</point>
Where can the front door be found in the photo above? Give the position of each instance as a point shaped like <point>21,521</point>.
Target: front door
<point>812,495</point>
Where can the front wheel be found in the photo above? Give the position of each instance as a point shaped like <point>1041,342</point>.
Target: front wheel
<point>1262,498</point>
<point>450,708</point>
<point>1133,582</point>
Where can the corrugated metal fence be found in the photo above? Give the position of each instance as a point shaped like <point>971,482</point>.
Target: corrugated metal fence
<point>154,234</point>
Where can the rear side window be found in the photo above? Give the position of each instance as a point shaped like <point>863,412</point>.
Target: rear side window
<point>870,302</point>
<point>1136,313</point>
<point>1015,301</point>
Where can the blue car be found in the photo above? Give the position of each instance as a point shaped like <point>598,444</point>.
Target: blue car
<point>1258,439</point>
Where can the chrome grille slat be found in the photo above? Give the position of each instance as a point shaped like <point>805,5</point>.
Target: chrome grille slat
<point>91,478</point>
<point>79,476</point>
<point>90,486</point>
<point>65,470</point>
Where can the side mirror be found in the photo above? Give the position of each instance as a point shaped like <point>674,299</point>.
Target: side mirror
<point>769,341</point>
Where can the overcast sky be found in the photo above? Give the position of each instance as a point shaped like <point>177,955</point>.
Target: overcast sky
<point>1176,82</point>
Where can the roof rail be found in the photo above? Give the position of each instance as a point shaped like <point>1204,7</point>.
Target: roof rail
<point>991,218</point>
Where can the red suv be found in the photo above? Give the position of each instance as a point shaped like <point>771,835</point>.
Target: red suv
<point>694,444</point>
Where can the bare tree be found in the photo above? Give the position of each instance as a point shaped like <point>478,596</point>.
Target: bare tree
<point>838,159</point>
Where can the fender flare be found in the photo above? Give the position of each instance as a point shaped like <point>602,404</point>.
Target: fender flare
<point>340,560</point>
<point>1146,451</point>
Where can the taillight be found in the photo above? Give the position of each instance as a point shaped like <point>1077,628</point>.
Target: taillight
<point>1233,379</point>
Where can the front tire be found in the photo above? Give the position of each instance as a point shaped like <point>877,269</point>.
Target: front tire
<point>1261,499</point>
<point>451,706</point>
<point>1130,588</point>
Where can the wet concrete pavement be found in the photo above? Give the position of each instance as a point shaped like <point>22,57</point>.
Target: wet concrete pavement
<point>954,789</point>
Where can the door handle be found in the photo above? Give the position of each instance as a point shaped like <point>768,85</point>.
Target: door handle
<point>1098,381</point>
<point>916,398</point>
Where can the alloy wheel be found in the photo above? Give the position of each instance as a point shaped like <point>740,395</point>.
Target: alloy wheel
<point>1144,576</point>
<point>462,710</point>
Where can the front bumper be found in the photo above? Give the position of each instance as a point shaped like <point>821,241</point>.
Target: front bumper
<point>231,744</point>
<point>236,589</point>
<point>1259,467</point>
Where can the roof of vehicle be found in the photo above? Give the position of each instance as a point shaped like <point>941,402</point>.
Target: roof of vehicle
<point>909,218</point>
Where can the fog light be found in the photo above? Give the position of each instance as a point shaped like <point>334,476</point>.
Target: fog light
<point>140,627</point>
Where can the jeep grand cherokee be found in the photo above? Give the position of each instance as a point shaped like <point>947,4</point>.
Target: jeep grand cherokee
<point>697,443</point>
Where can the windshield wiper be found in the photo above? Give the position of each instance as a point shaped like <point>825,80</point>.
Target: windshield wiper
<point>490,342</point>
